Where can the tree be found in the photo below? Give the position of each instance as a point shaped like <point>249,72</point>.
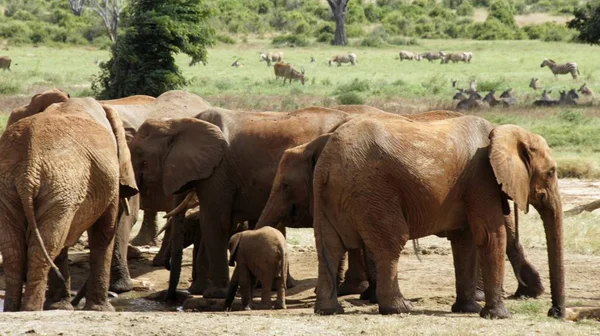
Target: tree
<point>108,10</point>
<point>142,59</point>
<point>339,9</point>
<point>587,22</point>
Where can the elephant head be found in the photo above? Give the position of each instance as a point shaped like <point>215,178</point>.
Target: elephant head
<point>38,104</point>
<point>290,199</point>
<point>169,155</point>
<point>526,170</point>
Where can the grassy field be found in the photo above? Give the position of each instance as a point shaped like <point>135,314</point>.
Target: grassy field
<point>379,79</point>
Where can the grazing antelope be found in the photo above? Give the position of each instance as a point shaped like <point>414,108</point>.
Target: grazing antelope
<point>454,57</point>
<point>467,56</point>
<point>339,59</point>
<point>271,57</point>
<point>409,55</point>
<point>432,56</point>
<point>286,71</point>
<point>507,98</point>
<point>568,98</point>
<point>561,69</point>
<point>534,84</point>
<point>474,101</point>
<point>586,90</point>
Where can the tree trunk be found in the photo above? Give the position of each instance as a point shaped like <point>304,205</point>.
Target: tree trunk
<point>340,26</point>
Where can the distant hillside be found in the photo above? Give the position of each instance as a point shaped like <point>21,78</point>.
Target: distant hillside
<point>373,22</point>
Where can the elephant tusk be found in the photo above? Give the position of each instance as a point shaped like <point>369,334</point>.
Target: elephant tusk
<point>163,228</point>
<point>181,207</point>
<point>125,205</point>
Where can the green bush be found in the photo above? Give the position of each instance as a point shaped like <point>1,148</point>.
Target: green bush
<point>223,38</point>
<point>357,85</point>
<point>325,38</point>
<point>355,30</point>
<point>350,98</point>
<point>291,40</point>
<point>502,11</point>
<point>465,9</point>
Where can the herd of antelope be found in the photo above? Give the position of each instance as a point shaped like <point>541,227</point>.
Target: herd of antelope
<point>446,58</point>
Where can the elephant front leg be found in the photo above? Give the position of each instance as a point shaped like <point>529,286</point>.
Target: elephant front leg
<point>465,270</point>
<point>200,281</point>
<point>120,279</point>
<point>148,231</point>
<point>491,254</point>
<point>215,236</point>
<point>101,239</point>
<point>355,278</point>
<point>58,296</point>
<point>530,283</point>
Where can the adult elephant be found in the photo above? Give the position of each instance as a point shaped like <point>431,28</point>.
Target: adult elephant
<point>54,185</point>
<point>134,111</point>
<point>403,180</point>
<point>291,203</point>
<point>230,159</point>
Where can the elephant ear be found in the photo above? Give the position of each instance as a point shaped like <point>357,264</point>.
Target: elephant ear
<point>311,153</point>
<point>127,184</point>
<point>195,149</point>
<point>234,244</point>
<point>38,103</point>
<point>510,156</point>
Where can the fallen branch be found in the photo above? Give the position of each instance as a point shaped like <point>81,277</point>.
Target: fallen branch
<point>579,209</point>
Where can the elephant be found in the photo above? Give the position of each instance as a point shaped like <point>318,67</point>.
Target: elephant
<point>134,111</point>
<point>56,184</point>
<point>381,181</point>
<point>258,255</point>
<point>120,279</point>
<point>229,158</point>
<point>291,202</point>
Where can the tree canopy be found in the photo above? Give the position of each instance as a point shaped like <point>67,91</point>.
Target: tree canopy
<point>587,22</point>
<point>142,60</point>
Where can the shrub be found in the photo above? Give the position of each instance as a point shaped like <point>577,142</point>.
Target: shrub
<point>350,98</point>
<point>502,11</point>
<point>355,30</point>
<point>465,9</point>
<point>357,85</point>
<point>325,38</point>
<point>225,39</point>
<point>292,40</point>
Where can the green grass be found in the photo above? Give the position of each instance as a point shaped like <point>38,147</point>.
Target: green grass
<point>379,79</point>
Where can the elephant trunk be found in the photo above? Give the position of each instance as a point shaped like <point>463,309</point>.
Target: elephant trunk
<point>553,226</point>
<point>273,213</point>
<point>176,242</point>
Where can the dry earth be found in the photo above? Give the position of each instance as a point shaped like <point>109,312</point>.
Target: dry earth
<point>428,284</point>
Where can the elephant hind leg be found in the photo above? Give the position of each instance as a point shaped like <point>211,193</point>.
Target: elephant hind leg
<point>280,284</point>
<point>330,252</point>
<point>58,296</point>
<point>101,239</point>
<point>465,271</point>
<point>14,262</point>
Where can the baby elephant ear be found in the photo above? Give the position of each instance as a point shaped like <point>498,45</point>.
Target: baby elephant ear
<point>234,243</point>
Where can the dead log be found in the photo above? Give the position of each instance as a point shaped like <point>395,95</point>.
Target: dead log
<point>579,209</point>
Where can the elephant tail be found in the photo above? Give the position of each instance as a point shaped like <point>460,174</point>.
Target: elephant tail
<point>27,201</point>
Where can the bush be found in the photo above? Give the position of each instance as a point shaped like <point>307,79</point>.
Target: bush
<point>504,12</point>
<point>549,31</point>
<point>355,30</point>
<point>225,39</point>
<point>357,85</point>
<point>291,40</point>
<point>325,37</point>
<point>465,9</point>
<point>350,98</point>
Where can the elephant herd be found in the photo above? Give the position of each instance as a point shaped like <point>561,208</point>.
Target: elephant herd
<point>366,180</point>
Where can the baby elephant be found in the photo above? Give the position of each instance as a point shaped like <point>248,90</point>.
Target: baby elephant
<point>260,255</point>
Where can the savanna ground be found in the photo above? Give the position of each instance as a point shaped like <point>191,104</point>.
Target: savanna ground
<point>379,79</point>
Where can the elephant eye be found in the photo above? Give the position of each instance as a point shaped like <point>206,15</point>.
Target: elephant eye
<point>551,172</point>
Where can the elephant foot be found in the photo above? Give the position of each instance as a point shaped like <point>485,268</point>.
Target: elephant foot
<point>466,306</point>
<point>121,285</point>
<point>145,237</point>
<point>530,284</point>
<point>105,307</point>
<point>59,305</point>
<point>399,306</point>
<point>370,294</point>
<point>158,260</point>
<point>496,312</point>
<point>330,308</point>
<point>279,305</point>
<point>479,295</point>
<point>556,312</point>
<point>198,287</point>
<point>215,293</point>
<point>349,287</point>
<point>133,253</point>
<point>290,282</point>
<point>247,308</point>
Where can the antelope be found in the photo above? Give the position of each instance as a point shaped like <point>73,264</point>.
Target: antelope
<point>534,84</point>
<point>237,63</point>
<point>409,55</point>
<point>339,59</point>
<point>470,103</point>
<point>271,57</point>
<point>459,95</point>
<point>586,90</point>
<point>286,71</point>
<point>545,100</point>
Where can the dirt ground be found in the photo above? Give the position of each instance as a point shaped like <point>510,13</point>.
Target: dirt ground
<point>429,285</point>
